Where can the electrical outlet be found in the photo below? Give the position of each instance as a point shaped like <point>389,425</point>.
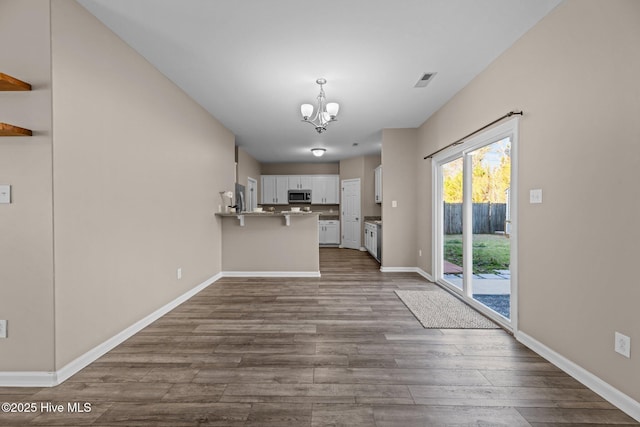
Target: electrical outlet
<point>179,273</point>
<point>623,345</point>
<point>3,328</point>
<point>419,252</point>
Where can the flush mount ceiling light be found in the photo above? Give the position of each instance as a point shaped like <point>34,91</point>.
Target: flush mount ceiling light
<point>325,112</point>
<point>318,152</point>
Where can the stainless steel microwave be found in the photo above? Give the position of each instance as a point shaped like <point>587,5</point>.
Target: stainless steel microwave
<point>299,196</point>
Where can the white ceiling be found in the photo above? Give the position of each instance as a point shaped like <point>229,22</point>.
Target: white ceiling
<point>251,63</point>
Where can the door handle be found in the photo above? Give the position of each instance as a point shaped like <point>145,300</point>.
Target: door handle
<point>357,219</point>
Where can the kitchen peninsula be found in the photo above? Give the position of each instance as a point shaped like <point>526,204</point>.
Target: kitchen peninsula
<point>270,244</point>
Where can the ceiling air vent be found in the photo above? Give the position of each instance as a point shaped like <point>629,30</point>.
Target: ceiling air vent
<point>425,79</point>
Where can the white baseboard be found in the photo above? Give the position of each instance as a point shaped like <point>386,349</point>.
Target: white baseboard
<point>408,270</point>
<point>270,274</point>
<point>28,379</point>
<point>614,396</point>
<point>405,270</point>
<point>50,379</point>
<point>425,274</point>
<point>398,269</point>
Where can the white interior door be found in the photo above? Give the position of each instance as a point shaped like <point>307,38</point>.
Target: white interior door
<point>252,194</point>
<point>351,213</point>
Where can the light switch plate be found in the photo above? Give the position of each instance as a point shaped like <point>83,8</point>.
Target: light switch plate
<point>5,194</point>
<point>394,203</point>
<point>3,328</point>
<point>535,196</point>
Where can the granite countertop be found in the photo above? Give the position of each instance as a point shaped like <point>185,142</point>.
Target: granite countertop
<point>328,216</point>
<point>284,213</point>
<point>322,215</point>
<point>377,220</point>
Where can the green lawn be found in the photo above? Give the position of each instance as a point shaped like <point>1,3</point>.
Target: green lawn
<point>490,251</point>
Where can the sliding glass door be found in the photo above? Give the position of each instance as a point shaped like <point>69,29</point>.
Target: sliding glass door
<point>490,241</point>
<point>452,252</point>
<point>475,246</point>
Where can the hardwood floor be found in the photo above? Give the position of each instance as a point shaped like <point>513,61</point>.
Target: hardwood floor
<point>338,350</point>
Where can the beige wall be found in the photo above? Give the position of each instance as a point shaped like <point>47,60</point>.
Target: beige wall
<point>352,168</point>
<point>363,167</point>
<point>26,225</point>
<point>399,224</point>
<point>265,243</point>
<point>137,170</point>
<point>247,167</point>
<point>575,76</point>
<point>300,168</point>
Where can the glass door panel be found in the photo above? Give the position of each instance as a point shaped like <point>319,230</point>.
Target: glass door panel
<point>452,197</point>
<point>491,247</point>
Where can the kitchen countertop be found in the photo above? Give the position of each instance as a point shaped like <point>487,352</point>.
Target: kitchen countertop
<point>329,216</point>
<point>284,213</point>
<point>322,215</point>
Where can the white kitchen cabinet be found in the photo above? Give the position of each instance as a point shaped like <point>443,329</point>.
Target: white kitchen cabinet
<point>378,184</point>
<point>329,232</point>
<point>300,182</point>
<point>275,189</point>
<point>332,194</point>
<point>367,237</point>
<point>324,189</point>
<point>371,239</point>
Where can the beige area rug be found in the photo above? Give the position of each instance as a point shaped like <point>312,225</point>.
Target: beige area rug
<point>440,310</point>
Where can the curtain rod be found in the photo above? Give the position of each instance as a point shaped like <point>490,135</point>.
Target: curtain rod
<point>459,141</point>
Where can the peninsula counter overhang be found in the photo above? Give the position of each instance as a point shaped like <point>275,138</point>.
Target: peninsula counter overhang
<point>286,215</point>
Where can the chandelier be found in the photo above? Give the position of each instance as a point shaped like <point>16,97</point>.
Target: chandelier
<point>325,112</point>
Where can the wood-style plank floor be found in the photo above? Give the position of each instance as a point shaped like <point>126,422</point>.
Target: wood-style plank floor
<point>338,350</point>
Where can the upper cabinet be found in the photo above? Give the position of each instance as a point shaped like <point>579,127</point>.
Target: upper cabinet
<point>378,184</point>
<point>275,189</point>
<point>11,84</point>
<point>299,182</point>
<point>324,188</point>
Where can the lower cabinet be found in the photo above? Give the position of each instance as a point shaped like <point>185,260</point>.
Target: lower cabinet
<point>371,239</point>
<point>329,232</point>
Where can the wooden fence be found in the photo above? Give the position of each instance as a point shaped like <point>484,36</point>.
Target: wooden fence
<point>487,218</point>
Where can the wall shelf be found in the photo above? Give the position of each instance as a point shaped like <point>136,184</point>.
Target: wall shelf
<point>11,84</point>
<point>10,130</point>
<point>8,83</point>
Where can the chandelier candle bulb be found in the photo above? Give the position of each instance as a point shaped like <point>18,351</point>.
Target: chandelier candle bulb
<point>307,110</point>
<point>332,109</point>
